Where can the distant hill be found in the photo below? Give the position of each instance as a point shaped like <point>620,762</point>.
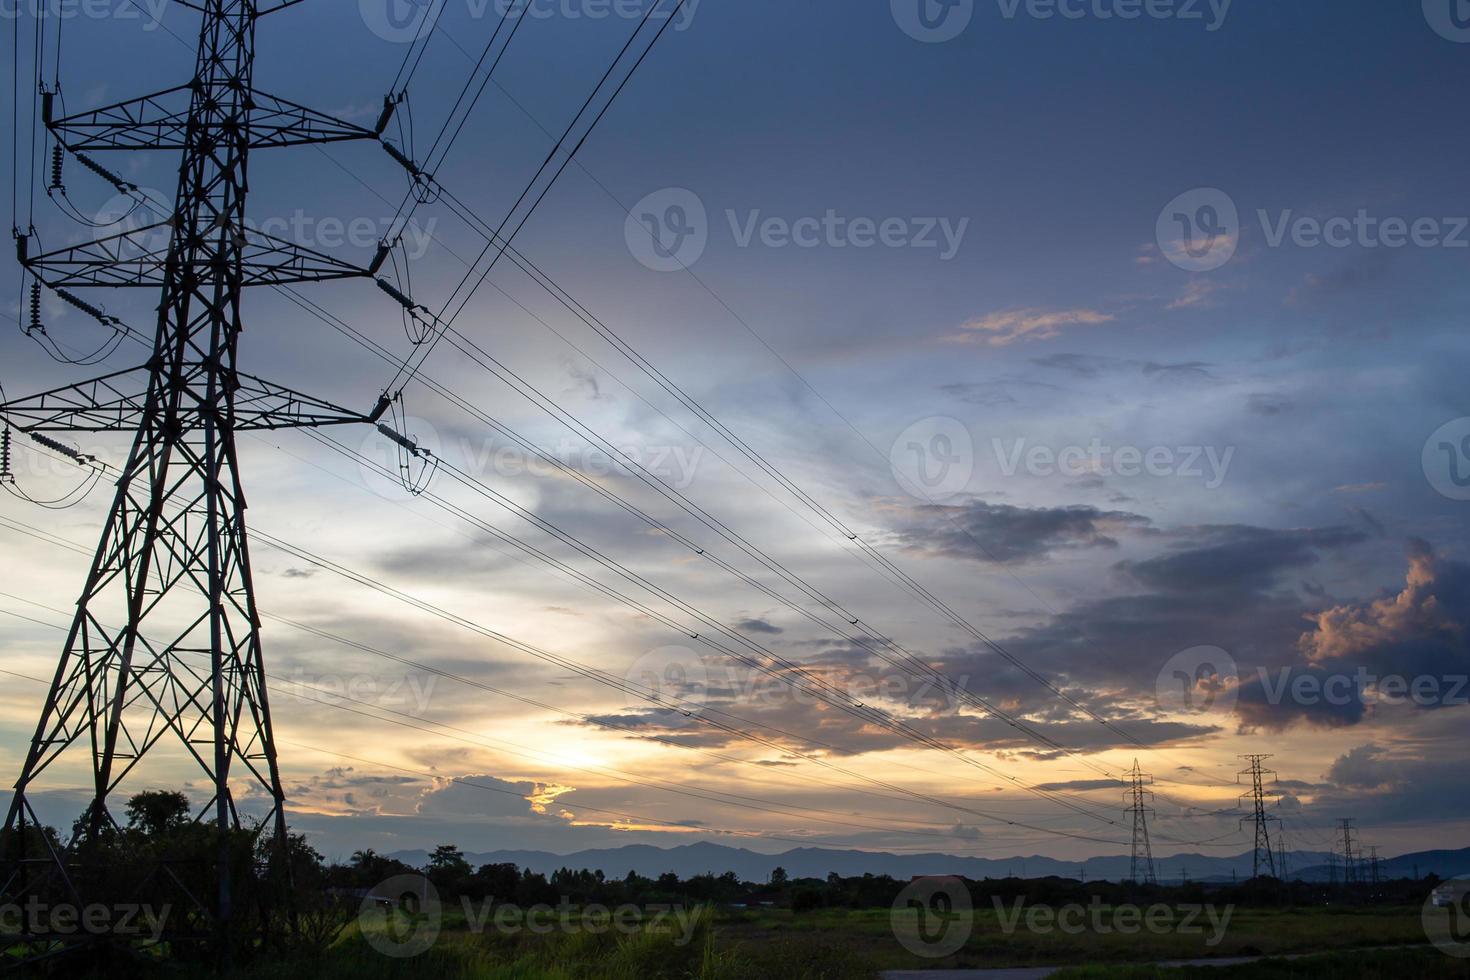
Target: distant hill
<point>812,862</point>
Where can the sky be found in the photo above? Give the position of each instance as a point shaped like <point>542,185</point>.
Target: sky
<point>1078,352</point>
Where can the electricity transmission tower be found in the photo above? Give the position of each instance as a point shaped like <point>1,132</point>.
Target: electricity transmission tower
<point>164,654</point>
<point>1263,855</point>
<point>1138,797</point>
<point>1281,867</point>
<point>1350,856</point>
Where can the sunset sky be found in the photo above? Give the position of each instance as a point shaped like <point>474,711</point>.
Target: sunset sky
<point>971,337</point>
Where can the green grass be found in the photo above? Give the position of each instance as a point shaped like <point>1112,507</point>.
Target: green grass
<point>857,945</point>
<point>1250,932</point>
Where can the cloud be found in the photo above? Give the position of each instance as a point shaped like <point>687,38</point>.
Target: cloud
<point>1000,533</point>
<point>1096,365</point>
<point>1364,767</point>
<point>1007,327</point>
<point>1237,558</point>
<point>1197,293</point>
<point>1268,404</point>
<point>1422,630</point>
<point>758,626</point>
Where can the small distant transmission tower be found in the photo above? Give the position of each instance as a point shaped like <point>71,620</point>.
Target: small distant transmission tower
<point>1373,866</point>
<point>1138,798</point>
<point>1263,856</point>
<point>1350,857</point>
<point>1281,869</point>
<point>164,651</point>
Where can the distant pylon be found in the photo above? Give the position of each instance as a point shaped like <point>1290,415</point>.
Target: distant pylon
<point>1373,866</point>
<point>1349,852</point>
<point>1138,797</point>
<point>1263,856</point>
<point>1281,871</point>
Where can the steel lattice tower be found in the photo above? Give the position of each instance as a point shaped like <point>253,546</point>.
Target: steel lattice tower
<point>1350,855</point>
<point>1263,856</point>
<point>164,649</point>
<point>1138,797</point>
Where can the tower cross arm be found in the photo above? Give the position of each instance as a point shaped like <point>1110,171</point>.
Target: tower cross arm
<point>159,121</point>
<point>117,402</point>
<point>138,258</point>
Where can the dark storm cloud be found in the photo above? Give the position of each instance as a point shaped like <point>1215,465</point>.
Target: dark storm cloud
<point>1279,700</point>
<point>1421,631</point>
<point>1095,366</point>
<point>1001,533</point>
<point>758,626</point>
<point>1237,558</point>
<point>1111,649</point>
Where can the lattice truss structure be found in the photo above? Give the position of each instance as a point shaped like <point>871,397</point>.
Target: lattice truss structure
<point>165,643</point>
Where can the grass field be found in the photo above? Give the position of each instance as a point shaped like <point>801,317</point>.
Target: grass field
<point>840,945</point>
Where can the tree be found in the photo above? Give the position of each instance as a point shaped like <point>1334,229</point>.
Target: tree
<point>779,878</point>
<point>449,861</point>
<point>156,812</point>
